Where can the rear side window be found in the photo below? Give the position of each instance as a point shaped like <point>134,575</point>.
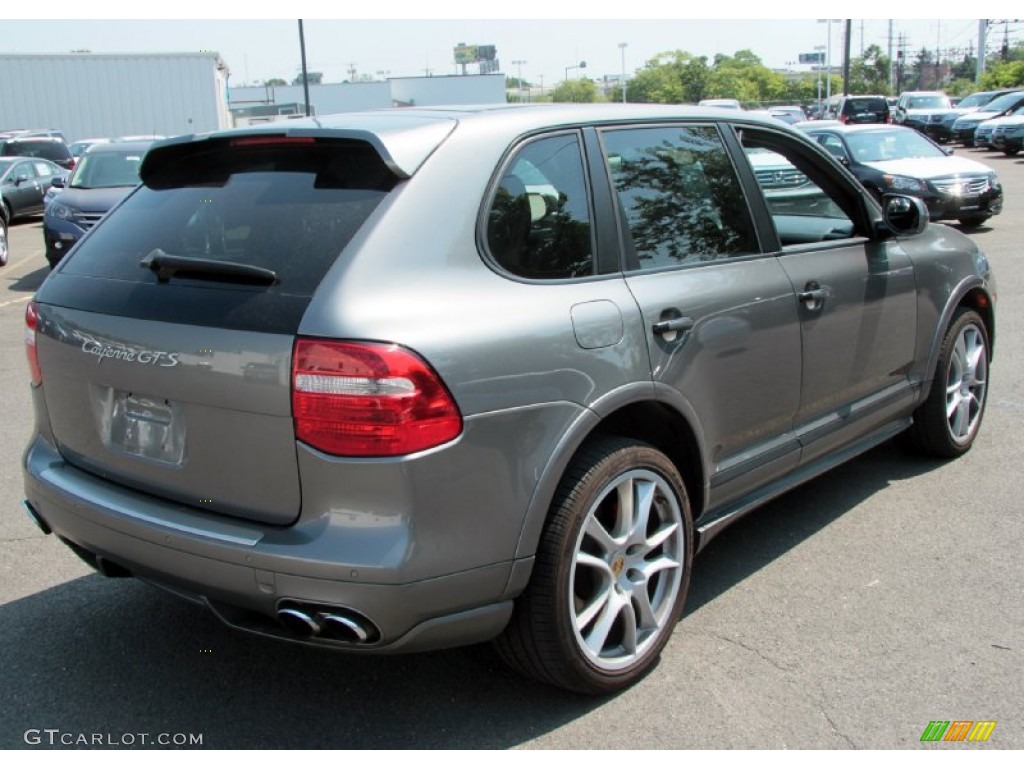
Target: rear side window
<point>48,150</point>
<point>538,224</point>
<point>290,209</point>
<point>679,196</point>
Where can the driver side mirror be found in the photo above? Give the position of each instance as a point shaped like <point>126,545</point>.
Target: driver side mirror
<point>57,181</point>
<point>904,215</point>
<point>21,179</point>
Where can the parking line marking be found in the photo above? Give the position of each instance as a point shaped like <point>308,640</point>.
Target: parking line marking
<point>16,301</point>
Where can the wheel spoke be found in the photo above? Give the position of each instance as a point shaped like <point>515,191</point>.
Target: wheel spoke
<point>662,563</point>
<point>591,561</point>
<point>599,634</point>
<point>584,617</point>
<point>962,420</point>
<point>660,536</point>
<point>642,603</point>
<point>625,509</point>
<point>598,534</point>
<point>952,403</point>
<point>644,497</point>
<point>629,634</point>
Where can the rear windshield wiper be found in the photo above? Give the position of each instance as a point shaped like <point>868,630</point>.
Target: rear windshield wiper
<point>167,265</point>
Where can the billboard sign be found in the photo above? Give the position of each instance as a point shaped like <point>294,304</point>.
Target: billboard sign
<point>812,58</point>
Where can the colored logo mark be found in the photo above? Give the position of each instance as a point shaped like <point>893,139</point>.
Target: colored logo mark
<point>958,730</point>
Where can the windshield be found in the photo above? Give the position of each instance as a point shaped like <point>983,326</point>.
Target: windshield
<point>876,146</point>
<point>928,102</point>
<point>976,99</point>
<point>1004,102</point>
<point>107,169</point>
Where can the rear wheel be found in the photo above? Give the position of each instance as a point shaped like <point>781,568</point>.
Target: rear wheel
<point>611,572</point>
<point>947,423</point>
<point>1010,152</point>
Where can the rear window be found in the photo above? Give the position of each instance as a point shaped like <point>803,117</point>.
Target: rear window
<point>290,209</point>
<point>48,150</point>
<point>861,106</point>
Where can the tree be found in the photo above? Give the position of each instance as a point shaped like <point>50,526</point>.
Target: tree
<point>276,81</point>
<point>578,91</point>
<point>313,78</point>
<point>870,72</point>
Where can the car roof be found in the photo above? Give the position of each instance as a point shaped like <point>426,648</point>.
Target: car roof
<point>118,147</point>
<point>405,137</point>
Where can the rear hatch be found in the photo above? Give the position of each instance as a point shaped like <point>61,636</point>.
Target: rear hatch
<point>165,339</point>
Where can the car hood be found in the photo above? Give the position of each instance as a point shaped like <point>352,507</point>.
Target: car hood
<point>978,117</point>
<point>930,167</point>
<point>93,200</point>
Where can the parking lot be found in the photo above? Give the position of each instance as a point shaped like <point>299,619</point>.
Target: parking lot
<point>851,612</point>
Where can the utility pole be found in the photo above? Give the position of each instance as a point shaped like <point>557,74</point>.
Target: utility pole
<point>892,63</point>
<point>982,29</point>
<point>305,79</point>
<point>846,57</point>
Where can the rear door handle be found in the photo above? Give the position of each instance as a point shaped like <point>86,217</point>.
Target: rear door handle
<point>675,325</point>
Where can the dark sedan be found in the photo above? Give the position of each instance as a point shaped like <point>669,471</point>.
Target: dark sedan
<point>894,159</point>
<point>23,183</point>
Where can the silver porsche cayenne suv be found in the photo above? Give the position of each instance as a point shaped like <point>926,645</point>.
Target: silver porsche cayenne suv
<point>413,379</point>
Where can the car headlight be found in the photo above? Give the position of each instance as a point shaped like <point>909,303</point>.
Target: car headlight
<point>60,211</point>
<point>904,184</point>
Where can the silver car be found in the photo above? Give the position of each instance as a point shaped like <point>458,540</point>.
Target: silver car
<point>413,379</point>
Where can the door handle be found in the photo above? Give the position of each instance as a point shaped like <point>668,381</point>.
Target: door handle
<point>813,295</point>
<point>675,325</point>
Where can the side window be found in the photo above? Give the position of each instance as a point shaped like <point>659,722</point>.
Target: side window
<point>24,169</point>
<point>833,144</point>
<point>678,195</point>
<point>806,203</point>
<point>538,225</point>
<point>44,171</point>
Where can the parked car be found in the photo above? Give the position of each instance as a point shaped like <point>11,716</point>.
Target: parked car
<point>965,125</point>
<point>855,110</point>
<point>47,148</point>
<point>23,182</point>
<point>898,159</point>
<point>984,134</point>
<point>291,375</point>
<point>1008,137</point>
<point>788,114</point>
<point>943,131</point>
<point>720,103</point>
<point>922,110</point>
<point>78,147</point>
<point>104,174</point>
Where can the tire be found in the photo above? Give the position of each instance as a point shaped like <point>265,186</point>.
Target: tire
<point>947,423</point>
<point>1011,152</point>
<point>973,221</point>
<point>610,579</point>
<point>4,242</point>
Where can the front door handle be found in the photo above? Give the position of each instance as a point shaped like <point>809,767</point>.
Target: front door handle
<point>813,295</point>
<point>675,325</point>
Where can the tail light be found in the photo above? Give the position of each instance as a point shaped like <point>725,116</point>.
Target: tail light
<point>844,118</point>
<point>362,399</point>
<point>31,324</point>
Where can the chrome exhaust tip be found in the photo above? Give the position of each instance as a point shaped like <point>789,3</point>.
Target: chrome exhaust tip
<point>299,622</point>
<point>344,628</point>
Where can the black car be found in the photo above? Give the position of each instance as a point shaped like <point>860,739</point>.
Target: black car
<point>46,147</point>
<point>895,159</point>
<point>854,110</point>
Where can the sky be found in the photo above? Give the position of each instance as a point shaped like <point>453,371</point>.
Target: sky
<point>258,49</point>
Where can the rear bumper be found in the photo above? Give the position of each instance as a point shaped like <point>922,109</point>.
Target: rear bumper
<point>245,571</point>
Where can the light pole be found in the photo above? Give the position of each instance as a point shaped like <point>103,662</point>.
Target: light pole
<point>828,56</point>
<point>519,63</point>
<point>581,65</point>
<point>819,48</point>
<point>622,47</point>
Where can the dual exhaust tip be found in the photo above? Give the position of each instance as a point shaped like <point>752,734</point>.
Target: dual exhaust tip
<point>327,622</point>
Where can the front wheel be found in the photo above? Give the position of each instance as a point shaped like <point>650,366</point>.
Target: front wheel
<point>973,221</point>
<point>611,572</point>
<point>3,242</point>
<point>947,423</point>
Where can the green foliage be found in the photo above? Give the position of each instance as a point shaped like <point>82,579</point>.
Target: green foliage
<point>575,91</point>
<point>1005,74</point>
<point>870,72</point>
<point>276,81</point>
